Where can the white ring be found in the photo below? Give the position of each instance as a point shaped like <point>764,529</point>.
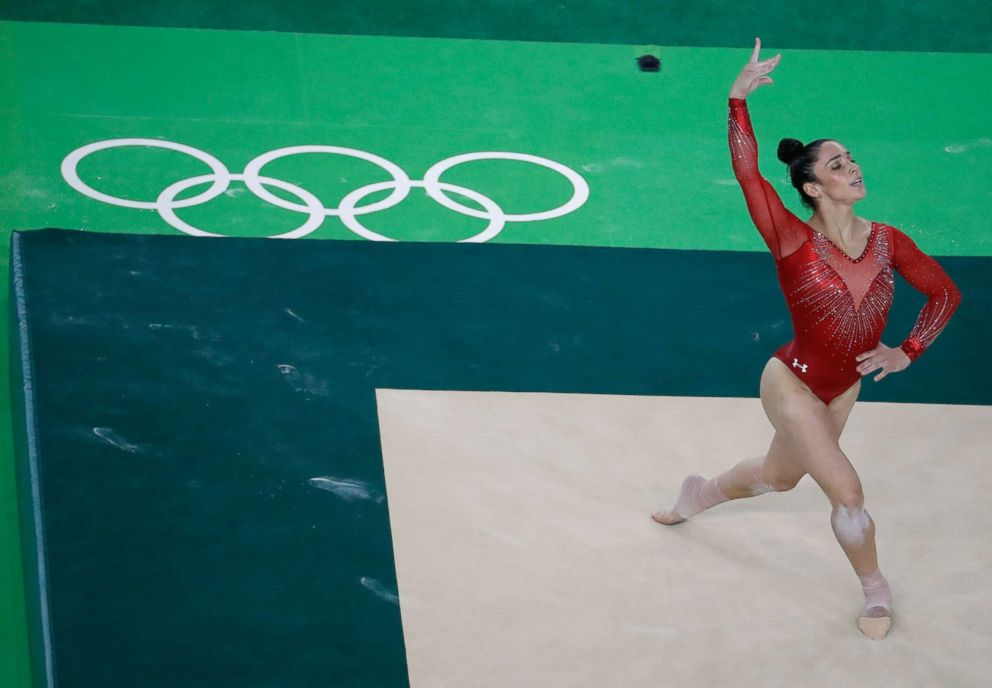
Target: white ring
<point>166,206</point>
<point>496,216</point>
<point>220,179</point>
<point>71,175</point>
<point>401,181</point>
<point>433,175</point>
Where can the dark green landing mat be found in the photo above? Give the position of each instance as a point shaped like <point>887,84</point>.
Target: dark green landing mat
<point>920,26</point>
<point>204,445</point>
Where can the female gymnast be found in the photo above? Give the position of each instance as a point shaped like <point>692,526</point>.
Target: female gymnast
<point>836,273</point>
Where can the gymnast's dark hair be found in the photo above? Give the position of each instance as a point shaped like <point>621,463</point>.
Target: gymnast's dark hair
<point>800,160</point>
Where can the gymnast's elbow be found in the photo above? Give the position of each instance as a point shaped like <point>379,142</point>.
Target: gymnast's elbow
<point>953,295</point>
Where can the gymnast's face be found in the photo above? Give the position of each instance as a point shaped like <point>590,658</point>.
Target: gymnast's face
<point>838,175</point>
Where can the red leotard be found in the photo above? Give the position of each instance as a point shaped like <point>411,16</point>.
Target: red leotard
<point>839,305</point>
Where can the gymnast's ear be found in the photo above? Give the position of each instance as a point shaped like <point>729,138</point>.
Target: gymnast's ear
<point>813,190</point>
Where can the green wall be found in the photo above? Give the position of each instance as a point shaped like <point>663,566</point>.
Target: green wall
<point>922,26</point>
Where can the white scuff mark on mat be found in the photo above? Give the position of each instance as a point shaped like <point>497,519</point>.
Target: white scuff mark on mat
<point>303,382</point>
<point>346,488</point>
<point>380,590</point>
<point>293,315</point>
<point>111,437</point>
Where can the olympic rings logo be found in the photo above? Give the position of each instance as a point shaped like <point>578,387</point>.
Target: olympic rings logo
<point>348,210</point>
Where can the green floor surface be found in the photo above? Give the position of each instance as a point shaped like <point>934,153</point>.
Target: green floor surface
<point>211,488</point>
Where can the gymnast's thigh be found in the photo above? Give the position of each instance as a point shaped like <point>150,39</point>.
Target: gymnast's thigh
<point>781,390</point>
<point>806,429</point>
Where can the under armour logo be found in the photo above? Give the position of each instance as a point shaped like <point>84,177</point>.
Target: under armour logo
<point>802,366</point>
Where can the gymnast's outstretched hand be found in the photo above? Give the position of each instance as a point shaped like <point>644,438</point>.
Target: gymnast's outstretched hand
<point>883,358</point>
<point>755,73</point>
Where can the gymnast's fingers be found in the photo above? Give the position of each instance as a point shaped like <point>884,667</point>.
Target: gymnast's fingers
<point>757,49</point>
<point>769,64</point>
<point>866,354</point>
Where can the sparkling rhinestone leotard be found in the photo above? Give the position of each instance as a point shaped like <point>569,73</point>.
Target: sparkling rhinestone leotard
<point>839,305</point>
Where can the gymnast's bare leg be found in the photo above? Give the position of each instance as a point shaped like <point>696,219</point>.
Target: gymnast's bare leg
<point>777,471</point>
<point>806,441</point>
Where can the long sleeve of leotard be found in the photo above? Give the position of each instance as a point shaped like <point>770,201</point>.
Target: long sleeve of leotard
<point>782,231</point>
<point>926,276</point>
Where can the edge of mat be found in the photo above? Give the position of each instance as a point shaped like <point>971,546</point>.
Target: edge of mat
<point>29,479</point>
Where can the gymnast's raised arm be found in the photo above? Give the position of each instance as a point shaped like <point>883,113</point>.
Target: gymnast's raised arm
<point>781,229</point>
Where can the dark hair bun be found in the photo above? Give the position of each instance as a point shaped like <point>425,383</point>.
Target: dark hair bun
<point>789,150</point>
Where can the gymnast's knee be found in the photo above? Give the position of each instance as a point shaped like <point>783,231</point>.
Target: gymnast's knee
<point>849,497</point>
<point>765,480</point>
<point>784,482</point>
<point>850,521</point>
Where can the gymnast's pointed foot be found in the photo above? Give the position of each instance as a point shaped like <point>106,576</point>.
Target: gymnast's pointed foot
<point>875,622</point>
<point>697,494</point>
<point>876,619</point>
<point>667,518</point>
